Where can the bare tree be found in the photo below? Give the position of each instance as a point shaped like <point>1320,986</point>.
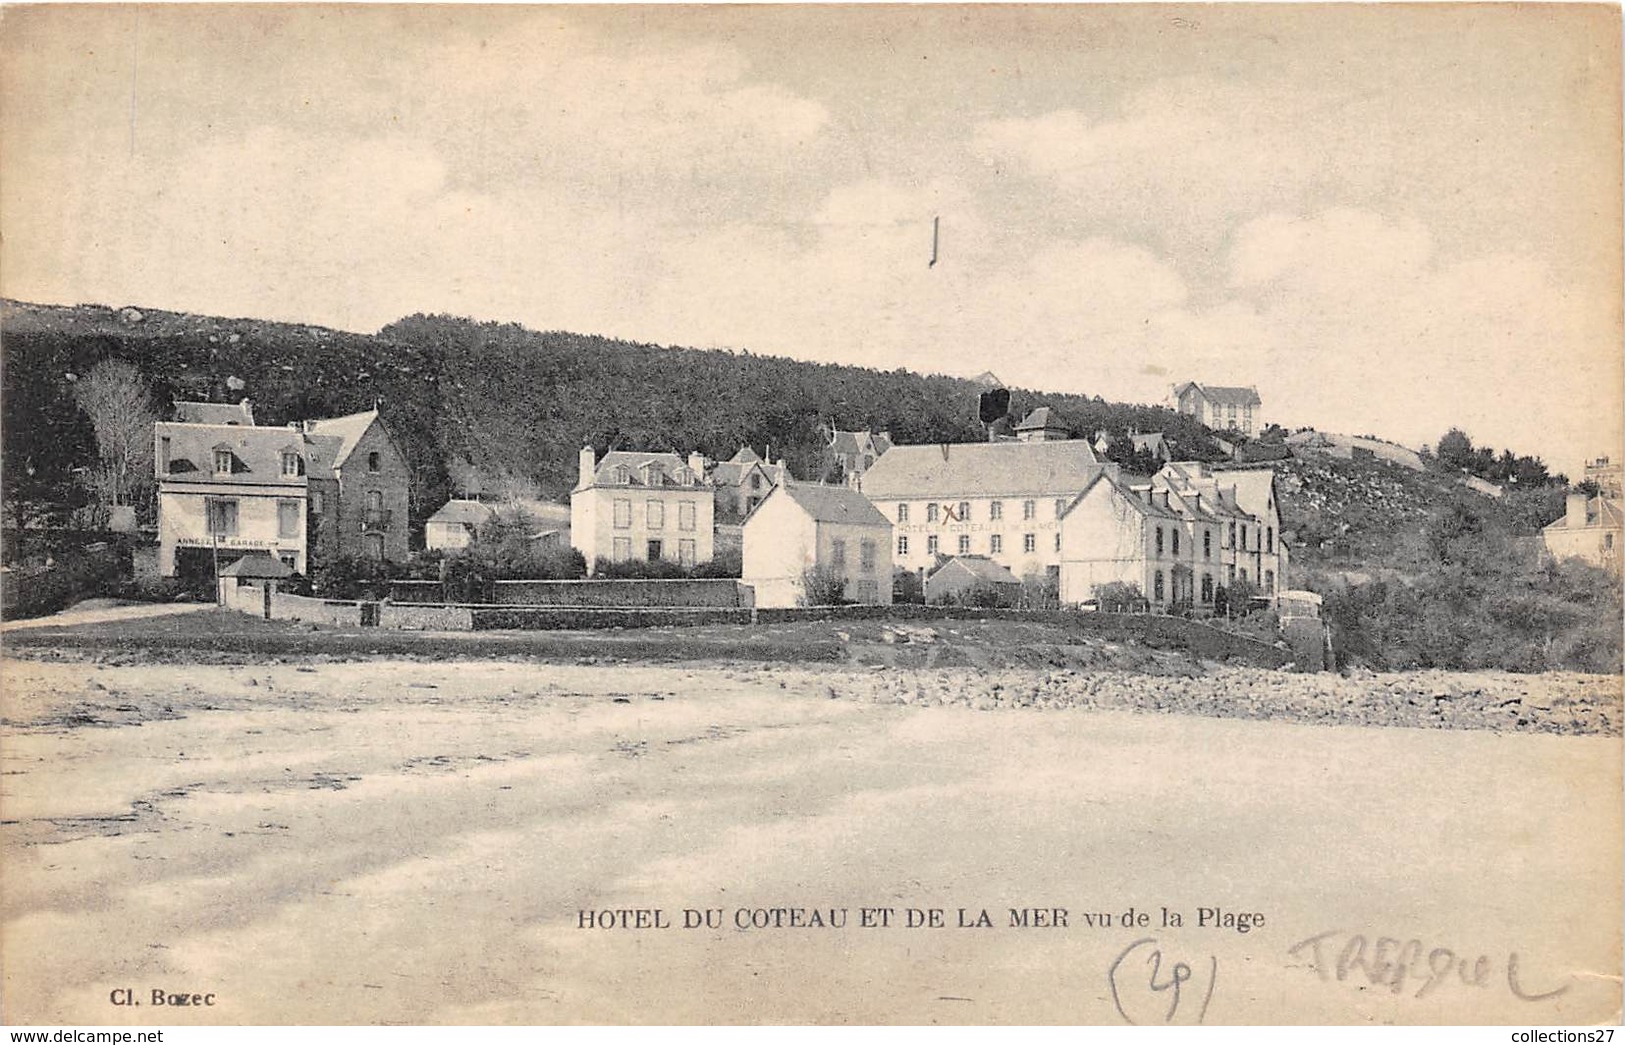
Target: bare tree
<point>116,399</point>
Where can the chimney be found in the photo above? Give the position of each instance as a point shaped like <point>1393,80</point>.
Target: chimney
<point>589,466</point>
<point>1576,510</point>
<point>696,463</point>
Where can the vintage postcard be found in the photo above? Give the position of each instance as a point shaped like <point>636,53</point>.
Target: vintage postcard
<point>919,514</point>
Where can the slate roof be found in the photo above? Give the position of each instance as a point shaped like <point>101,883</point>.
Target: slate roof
<point>667,465</point>
<point>256,453</point>
<point>1039,420</point>
<point>348,430</point>
<point>982,568</point>
<point>258,565</point>
<point>214,413</point>
<point>1605,513</point>
<point>469,513</point>
<point>953,470</point>
<point>1223,395</point>
<point>745,455</point>
<point>835,504</point>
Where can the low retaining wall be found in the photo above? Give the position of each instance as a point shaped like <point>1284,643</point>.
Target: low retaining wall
<point>315,611</point>
<point>408,617</point>
<point>553,618</point>
<point>625,594</point>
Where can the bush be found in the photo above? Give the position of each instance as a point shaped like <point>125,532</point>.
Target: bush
<point>906,587</point>
<point>1120,597</point>
<point>822,586</point>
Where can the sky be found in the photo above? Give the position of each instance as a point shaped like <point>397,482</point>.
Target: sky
<point>1389,219</point>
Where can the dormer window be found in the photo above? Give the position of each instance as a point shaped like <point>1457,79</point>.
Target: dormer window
<point>651,475</point>
<point>621,476</point>
<point>373,461</point>
<point>222,462</point>
<point>290,463</point>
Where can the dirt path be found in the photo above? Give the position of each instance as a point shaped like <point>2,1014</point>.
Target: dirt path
<point>105,615</point>
<point>406,842</point>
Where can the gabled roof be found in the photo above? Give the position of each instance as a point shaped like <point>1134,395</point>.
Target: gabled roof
<point>214,413</point>
<point>835,504</point>
<point>644,468</point>
<point>1149,441</point>
<point>953,470</point>
<point>745,455</point>
<point>1223,395</point>
<point>1605,512</point>
<point>256,453</point>
<point>1143,499</point>
<point>1254,489</point>
<point>1039,420</point>
<point>859,442</point>
<point>982,568</point>
<point>469,513</point>
<point>348,430</point>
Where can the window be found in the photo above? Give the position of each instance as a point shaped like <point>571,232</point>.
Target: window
<point>290,561</point>
<point>623,517</point>
<point>1269,582</point>
<point>1244,574</point>
<point>756,481</point>
<point>621,549</point>
<point>1029,543</point>
<point>1243,536</point>
<point>837,554</point>
<point>685,552</point>
<point>316,502</point>
<point>1157,590</point>
<point>1028,509</point>
<point>685,515</point>
<point>1232,535</point>
<point>1159,540</point>
<point>657,550</point>
<point>1607,542</point>
<point>290,463</point>
<point>620,476</point>
<point>163,455</point>
<point>866,556</point>
<point>902,546</point>
<point>222,516</point>
<point>1060,507</point>
<point>222,462</point>
<point>902,513</point>
<point>1207,587</point>
<point>373,461</point>
<point>1175,533</point>
<point>931,545</point>
<point>375,500</point>
<point>964,544</point>
<point>287,518</point>
<point>654,514</point>
<point>995,511</point>
<point>1057,541</point>
<point>931,513</point>
<point>1207,543</point>
<point>995,544</point>
<point>1269,539</point>
<point>964,512</point>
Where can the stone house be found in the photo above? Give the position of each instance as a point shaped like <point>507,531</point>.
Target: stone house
<point>744,481</point>
<point>360,488</point>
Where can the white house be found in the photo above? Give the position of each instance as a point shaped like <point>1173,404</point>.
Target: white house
<point>637,505</point>
<point>1003,500</point>
<point>799,527</point>
<point>1115,533</point>
<point>1220,407</point>
<point>1246,501</point>
<point>455,525</point>
<point>1591,529</point>
<point>228,489</point>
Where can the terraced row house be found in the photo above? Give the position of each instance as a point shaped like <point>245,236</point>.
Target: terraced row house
<point>1179,538</point>
<point>302,493</point>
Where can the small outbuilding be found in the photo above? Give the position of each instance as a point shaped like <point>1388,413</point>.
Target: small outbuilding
<point>957,578</point>
<point>256,569</point>
<point>455,525</point>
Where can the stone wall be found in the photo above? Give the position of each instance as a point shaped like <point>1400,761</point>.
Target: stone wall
<point>625,594</point>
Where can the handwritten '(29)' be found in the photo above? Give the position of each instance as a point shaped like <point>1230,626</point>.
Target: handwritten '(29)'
<point>1149,989</point>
